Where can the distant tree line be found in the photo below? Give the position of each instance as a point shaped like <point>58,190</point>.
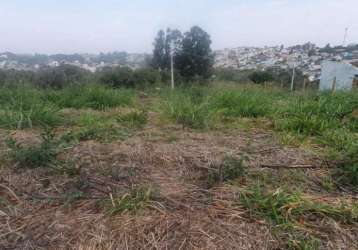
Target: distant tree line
<point>63,75</point>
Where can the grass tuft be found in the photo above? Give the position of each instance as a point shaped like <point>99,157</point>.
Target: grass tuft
<point>131,202</point>
<point>230,169</point>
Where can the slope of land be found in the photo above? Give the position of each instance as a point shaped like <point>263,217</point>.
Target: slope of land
<point>134,177</point>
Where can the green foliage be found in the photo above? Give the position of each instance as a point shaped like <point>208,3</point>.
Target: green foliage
<point>131,202</point>
<point>159,57</point>
<point>126,77</point>
<point>116,77</point>
<point>196,58</point>
<point>133,119</point>
<point>230,169</point>
<point>245,103</point>
<point>193,57</point>
<point>348,172</point>
<point>162,48</point>
<point>188,107</point>
<point>23,107</point>
<point>62,76</point>
<point>283,207</point>
<point>95,127</point>
<point>232,75</point>
<point>260,77</point>
<point>34,156</point>
<point>91,96</point>
<point>145,77</point>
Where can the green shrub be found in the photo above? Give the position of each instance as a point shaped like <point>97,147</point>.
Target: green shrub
<point>145,77</point>
<point>34,156</point>
<point>116,77</point>
<point>230,169</point>
<point>260,77</point>
<point>62,76</point>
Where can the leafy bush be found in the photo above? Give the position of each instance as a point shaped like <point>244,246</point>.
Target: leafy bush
<point>145,77</point>
<point>116,77</point>
<point>42,155</point>
<point>62,76</point>
<point>260,77</point>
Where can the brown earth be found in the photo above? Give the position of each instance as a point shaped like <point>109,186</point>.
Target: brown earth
<point>41,210</point>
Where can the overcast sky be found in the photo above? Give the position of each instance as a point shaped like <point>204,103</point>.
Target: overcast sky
<point>68,26</point>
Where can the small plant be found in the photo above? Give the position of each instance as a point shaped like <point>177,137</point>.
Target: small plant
<point>327,183</point>
<point>131,202</point>
<point>348,173</point>
<point>230,169</point>
<point>134,119</point>
<point>42,155</point>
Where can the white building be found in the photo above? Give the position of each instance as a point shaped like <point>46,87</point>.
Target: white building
<point>338,75</point>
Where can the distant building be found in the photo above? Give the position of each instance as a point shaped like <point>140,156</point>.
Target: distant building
<point>338,75</point>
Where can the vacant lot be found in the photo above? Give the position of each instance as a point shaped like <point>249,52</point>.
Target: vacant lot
<point>220,167</point>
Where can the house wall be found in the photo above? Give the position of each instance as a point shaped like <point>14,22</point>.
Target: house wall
<point>343,72</point>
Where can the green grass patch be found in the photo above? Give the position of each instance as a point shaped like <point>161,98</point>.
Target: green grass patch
<point>188,107</point>
<point>133,119</point>
<point>24,107</point>
<point>91,96</point>
<point>132,202</point>
<point>106,128</point>
<point>283,208</point>
<point>242,103</point>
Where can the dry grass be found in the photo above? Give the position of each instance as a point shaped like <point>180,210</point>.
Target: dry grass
<point>44,210</point>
